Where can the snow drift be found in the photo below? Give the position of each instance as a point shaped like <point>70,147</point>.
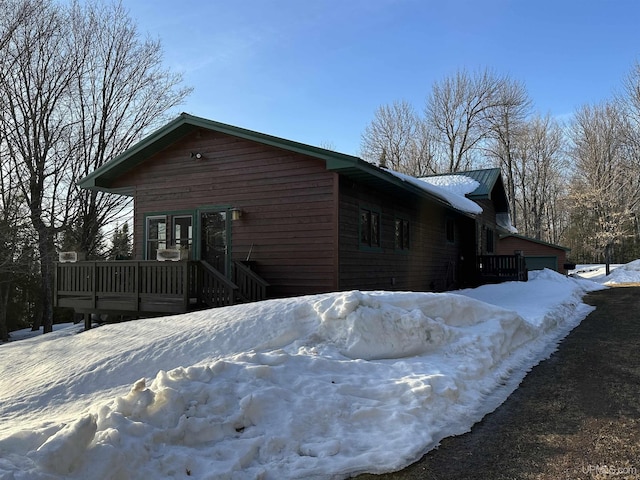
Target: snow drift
<point>322,387</point>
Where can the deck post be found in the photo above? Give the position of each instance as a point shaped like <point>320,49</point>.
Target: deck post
<point>87,321</point>
<point>94,284</point>
<point>185,283</point>
<point>136,284</point>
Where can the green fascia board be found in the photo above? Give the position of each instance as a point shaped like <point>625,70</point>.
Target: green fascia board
<point>348,165</point>
<point>101,178</point>
<point>533,240</point>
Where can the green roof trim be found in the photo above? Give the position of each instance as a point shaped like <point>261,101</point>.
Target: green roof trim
<point>487,179</point>
<point>533,240</point>
<point>346,165</point>
<point>184,124</point>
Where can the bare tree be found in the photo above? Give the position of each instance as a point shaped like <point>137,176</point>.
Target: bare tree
<point>605,188</point>
<point>121,92</point>
<point>460,110</point>
<point>507,127</point>
<point>78,86</point>
<point>399,139</point>
<point>38,69</point>
<point>539,174</point>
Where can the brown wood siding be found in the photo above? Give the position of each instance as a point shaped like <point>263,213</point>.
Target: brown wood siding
<point>430,264</point>
<point>486,220</point>
<point>287,201</point>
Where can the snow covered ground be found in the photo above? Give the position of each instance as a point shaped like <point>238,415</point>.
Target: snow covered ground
<point>323,386</point>
<point>628,273</point>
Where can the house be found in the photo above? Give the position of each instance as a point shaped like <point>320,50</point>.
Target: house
<point>254,215</point>
<point>537,254</point>
<point>490,195</point>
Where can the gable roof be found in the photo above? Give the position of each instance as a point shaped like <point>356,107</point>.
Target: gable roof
<point>347,165</point>
<point>533,240</point>
<point>490,186</point>
<point>487,178</point>
<point>184,124</point>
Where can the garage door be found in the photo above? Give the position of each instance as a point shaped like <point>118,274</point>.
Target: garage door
<point>538,263</point>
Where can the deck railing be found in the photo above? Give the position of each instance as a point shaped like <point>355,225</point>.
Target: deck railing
<point>149,286</point>
<point>251,286</point>
<point>212,287</point>
<point>130,286</point>
<point>502,268</point>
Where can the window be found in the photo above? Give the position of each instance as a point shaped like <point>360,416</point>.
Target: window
<point>156,235</point>
<point>369,228</point>
<point>183,232</point>
<point>490,240</point>
<point>167,231</point>
<point>450,228</point>
<point>402,234</point>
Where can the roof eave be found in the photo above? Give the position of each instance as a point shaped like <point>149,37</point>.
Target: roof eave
<point>533,240</point>
<point>348,165</point>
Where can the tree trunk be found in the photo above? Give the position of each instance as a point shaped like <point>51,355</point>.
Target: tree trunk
<point>4,301</point>
<point>46,249</point>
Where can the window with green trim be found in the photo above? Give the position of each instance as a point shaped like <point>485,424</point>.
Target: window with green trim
<point>369,228</point>
<point>171,230</point>
<point>156,235</point>
<point>402,234</point>
<point>183,231</point>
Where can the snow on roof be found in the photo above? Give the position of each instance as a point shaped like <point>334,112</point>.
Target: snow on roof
<point>450,188</point>
<point>458,184</point>
<point>504,220</point>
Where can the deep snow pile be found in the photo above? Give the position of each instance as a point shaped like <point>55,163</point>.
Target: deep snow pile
<point>314,387</point>
<point>628,273</point>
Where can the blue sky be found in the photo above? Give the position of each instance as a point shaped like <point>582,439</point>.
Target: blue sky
<point>315,71</point>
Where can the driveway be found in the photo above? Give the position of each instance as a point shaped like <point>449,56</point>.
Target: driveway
<point>575,415</point>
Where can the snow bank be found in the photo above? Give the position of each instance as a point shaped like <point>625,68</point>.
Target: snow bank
<point>323,386</point>
<point>628,273</point>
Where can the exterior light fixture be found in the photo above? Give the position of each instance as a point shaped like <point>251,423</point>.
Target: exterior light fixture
<point>236,214</point>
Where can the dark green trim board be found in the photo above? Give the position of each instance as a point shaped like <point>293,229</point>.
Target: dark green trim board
<point>184,124</point>
<point>348,166</point>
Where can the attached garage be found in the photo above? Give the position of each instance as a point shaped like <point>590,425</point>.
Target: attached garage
<point>540,263</point>
<point>537,254</point>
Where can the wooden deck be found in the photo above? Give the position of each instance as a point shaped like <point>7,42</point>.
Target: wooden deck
<point>142,288</point>
<point>502,268</point>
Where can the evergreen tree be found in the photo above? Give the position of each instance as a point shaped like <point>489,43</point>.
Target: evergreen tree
<point>121,243</point>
